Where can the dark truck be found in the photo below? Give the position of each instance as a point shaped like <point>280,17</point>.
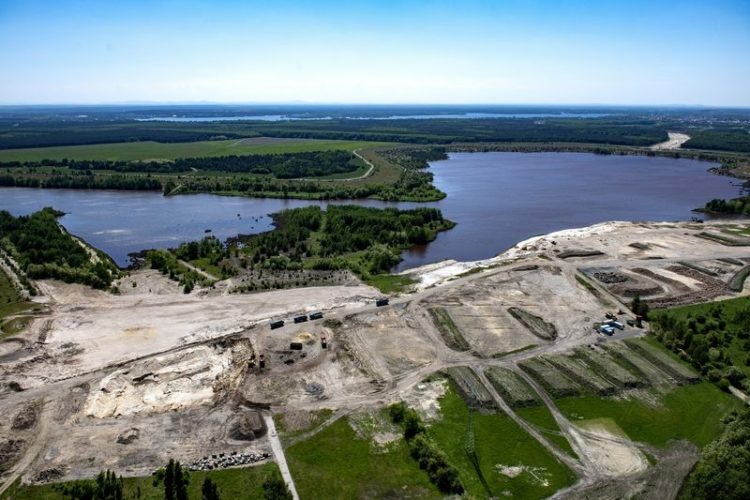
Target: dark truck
<point>276,324</point>
<point>381,302</point>
<point>316,315</point>
<point>300,319</point>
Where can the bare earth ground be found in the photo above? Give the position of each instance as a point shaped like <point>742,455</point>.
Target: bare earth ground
<point>675,141</point>
<point>125,382</point>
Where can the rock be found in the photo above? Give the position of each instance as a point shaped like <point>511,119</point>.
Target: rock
<point>49,475</point>
<point>247,427</point>
<point>128,436</point>
<point>9,452</point>
<point>25,419</point>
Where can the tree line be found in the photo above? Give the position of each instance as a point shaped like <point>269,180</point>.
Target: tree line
<point>732,206</point>
<point>173,480</point>
<point>78,181</point>
<point>281,166</point>
<point>626,130</point>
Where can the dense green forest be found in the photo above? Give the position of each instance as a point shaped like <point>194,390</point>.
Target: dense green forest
<point>727,139</point>
<point>44,250</point>
<point>606,130</point>
<point>365,240</point>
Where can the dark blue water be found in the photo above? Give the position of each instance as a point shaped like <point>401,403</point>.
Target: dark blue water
<point>497,199</point>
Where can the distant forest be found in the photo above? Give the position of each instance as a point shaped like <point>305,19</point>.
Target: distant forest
<point>27,134</point>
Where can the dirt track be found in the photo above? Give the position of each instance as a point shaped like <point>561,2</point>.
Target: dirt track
<point>675,141</point>
<point>105,365</point>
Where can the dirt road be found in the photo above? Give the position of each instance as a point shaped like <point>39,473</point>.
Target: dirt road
<point>278,454</point>
<point>389,351</point>
<point>675,141</point>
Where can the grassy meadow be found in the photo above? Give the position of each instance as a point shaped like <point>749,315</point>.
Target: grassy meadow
<point>150,150</point>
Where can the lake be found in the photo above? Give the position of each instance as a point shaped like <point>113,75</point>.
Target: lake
<point>497,199</point>
<point>277,117</point>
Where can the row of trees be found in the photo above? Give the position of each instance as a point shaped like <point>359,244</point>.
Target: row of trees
<point>73,181</point>
<point>733,206</point>
<point>426,453</point>
<point>174,479</point>
<point>282,166</point>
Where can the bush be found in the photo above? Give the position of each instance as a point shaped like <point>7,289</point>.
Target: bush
<point>724,468</point>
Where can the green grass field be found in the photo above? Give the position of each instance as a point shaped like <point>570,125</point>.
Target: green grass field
<point>541,417</point>
<point>149,150</point>
<point>691,412</point>
<point>233,483</point>
<point>390,283</point>
<point>10,304</point>
<point>499,441</point>
<point>336,464</point>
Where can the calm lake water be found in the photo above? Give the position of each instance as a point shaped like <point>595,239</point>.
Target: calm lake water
<point>497,199</point>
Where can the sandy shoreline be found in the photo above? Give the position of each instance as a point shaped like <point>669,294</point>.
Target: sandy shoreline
<point>438,272</point>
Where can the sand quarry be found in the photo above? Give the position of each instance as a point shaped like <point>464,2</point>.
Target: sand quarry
<point>99,380</point>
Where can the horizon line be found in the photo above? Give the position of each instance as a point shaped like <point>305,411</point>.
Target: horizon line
<point>353,104</point>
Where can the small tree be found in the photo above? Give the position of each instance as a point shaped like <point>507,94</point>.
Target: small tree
<point>176,481</point>
<point>181,481</point>
<point>639,307</point>
<point>412,425</point>
<point>169,481</point>
<point>274,487</point>
<point>106,486</point>
<point>209,490</point>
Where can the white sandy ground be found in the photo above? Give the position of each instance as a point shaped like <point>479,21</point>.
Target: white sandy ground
<point>675,141</point>
<point>166,383</point>
<point>112,328</point>
<point>440,272</point>
<point>608,447</point>
<point>167,392</point>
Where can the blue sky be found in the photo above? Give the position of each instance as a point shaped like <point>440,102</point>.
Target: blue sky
<point>505,51</point>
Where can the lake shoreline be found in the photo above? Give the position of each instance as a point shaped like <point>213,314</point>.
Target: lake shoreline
<point>482,204</point>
